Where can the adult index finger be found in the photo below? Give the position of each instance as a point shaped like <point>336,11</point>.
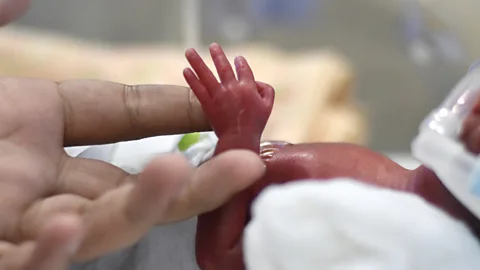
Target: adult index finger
<point>99,112</point>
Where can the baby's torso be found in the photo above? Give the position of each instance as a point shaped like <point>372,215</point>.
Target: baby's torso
<point>289,162</point>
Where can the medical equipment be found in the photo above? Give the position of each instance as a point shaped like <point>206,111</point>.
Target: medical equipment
<point>438,146</point>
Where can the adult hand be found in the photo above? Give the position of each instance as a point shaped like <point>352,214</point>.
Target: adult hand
<point>52,250</point>
<point>40,181</point>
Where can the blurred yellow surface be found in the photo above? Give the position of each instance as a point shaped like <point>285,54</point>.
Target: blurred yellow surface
<point>314,100</point>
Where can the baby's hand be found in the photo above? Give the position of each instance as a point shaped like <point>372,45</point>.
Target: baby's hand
<point>240,107</point>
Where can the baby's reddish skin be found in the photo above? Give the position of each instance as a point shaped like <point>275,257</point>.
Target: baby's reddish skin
<point>219,232</point>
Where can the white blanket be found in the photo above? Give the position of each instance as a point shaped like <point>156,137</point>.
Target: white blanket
<point>347,225</point>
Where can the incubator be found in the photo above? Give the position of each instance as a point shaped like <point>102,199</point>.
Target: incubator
<point>438,147</point>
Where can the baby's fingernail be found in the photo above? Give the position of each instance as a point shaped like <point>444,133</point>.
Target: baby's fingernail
<point>214,46</point>
<point>188,51</point>
<point>238,61</point>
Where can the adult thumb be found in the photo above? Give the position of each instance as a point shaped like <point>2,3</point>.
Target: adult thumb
<point>215,182</point>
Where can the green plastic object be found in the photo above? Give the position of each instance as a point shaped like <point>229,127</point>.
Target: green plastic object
<point>188,140</point>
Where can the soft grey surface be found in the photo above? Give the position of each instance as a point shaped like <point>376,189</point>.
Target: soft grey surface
<point>168,247</point>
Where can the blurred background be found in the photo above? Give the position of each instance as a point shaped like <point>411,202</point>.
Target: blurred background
<point>365,71</point>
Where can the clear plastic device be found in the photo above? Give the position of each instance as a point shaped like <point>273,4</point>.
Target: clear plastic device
<point>438,146</point>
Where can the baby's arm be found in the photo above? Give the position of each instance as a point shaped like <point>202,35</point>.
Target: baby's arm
<point>238,110</point>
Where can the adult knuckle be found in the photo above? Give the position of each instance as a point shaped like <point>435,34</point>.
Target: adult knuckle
<point>131,101</point>
<point>195,114</point>
<point>68,110</point>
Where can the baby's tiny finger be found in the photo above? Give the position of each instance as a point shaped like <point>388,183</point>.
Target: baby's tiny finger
<point>201,69</point>
<point>220,60</point>
<point>196,85</point>
<point>266,92</point>
<point>244,72</point>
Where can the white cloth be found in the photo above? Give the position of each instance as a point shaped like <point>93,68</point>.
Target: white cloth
<point>133,156</point>
<point>346,225</point>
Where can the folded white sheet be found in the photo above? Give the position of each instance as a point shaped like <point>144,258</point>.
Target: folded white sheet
<point>133,156</point>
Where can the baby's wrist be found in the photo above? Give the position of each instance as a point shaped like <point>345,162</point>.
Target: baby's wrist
<point>242,135</point>
<point>237,140</point>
